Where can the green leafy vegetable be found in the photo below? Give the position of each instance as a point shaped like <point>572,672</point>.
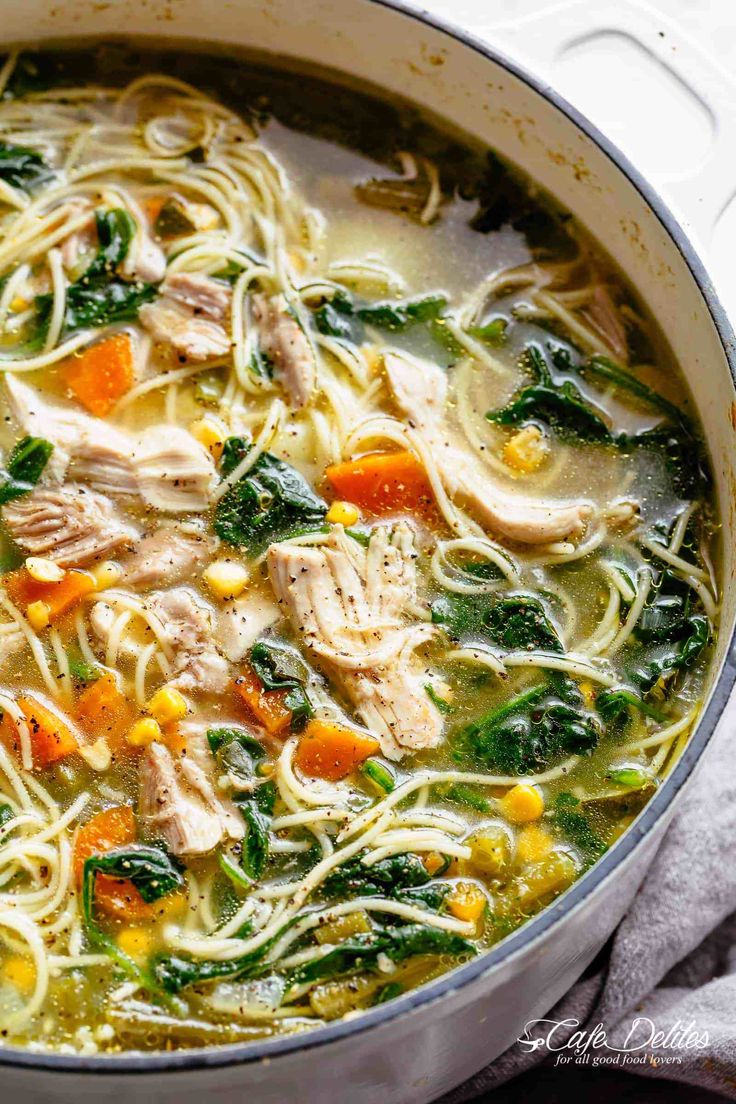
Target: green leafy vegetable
<point>6,815</point>
<point>256,842</point>
<point>271,501</point>
<point>441,703</point>
<point>23,168</point>
<point>614,705</point>
<point>24,468</point>
<point>236,751</point>
<point>388,992</point>
<point>460,794</point>
<point>389,877</point>
<point>99,297</point>
<point>577,828</point>
<point>281,667</point>
<point>80,669</point>
<point>601,368</point>
<point>397,944</point>
<point>515,623</point>
<point>532,730</point>
<point>492,332</point>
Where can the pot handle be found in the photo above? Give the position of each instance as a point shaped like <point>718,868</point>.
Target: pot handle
<point>700,194</point>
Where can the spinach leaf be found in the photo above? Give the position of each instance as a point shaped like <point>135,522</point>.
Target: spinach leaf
<point>519,622</point>
<point>667,609</point>
<point>24,468</point>
<point>529,732</point>
<point>442,704</point>
<point>271,502</point>
<point>568,818</point>
<point>560,405</point>
<point>389,877</point>
<point>664,660</point>
<point>492,332</point>
<point>460,794</point>
<point>399,316</point>
<point>614,705</point>
<point>281,667</point>
<point>256,843</point>
<point>151,870</point>
<point>601,368</point>
<point>23,168</point>
<point>236,752</point>
<point>176,972</point>
<point>6,815</point>
<point>397,943</point>
<point>100,298</point>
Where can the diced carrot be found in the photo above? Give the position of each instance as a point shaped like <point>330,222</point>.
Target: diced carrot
<point>332,751</point>
<point>109,829</point>
<point>101,374</point>
<point>267,707</point>
<point>103,710</point>
<point>51,738</point>
<point>152,207</point>
<point>383,482</point>
<point>23,589</point>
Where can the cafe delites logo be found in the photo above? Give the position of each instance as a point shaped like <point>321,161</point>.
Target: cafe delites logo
<point>643,1044</point>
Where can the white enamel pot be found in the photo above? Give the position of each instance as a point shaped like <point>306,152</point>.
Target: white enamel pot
<point>414,1049</point>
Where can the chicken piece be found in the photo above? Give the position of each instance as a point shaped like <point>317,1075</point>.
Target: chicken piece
<point>175,473</point>
<point>189,624</point>
<point>71,525</point>
<point>189,316</point>
<point>145,260</point>
<point>166,556</point>
<point>420,391</point>
<point>179,802</point>
<point>348,605</point>
<point>286,344</point>
<point>91,450</point>
<point>241,622</point>
<point>601,311</point>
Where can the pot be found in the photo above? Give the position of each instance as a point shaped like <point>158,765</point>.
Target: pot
<point>421,1045</point>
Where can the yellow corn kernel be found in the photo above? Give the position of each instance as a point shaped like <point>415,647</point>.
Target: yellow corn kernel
<point>526,450</point>
<point>168,704</point>
<point>171,906</point>
<point>522,804</point>
<point>144,732</point>
<point>490,849</point>
<point>226,578</point>
<point>467,901</point>
<point>43,570</point>
<point>20,972</point>
<point>533,844</point>
<point>38,615</point>
<point>211,433</point>
<point>587,689</point>
<point>433,862</point>
<point>343,513</point>
<point>19,304</point>
<point>137,943</point>
<point>106,574</point>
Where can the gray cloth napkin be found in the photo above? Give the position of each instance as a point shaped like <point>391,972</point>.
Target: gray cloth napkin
<point>673,957</point>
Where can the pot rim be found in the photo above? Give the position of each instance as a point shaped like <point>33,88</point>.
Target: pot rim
<point>236,1054</point>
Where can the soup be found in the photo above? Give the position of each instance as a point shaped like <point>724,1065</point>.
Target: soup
<point>358,552</point>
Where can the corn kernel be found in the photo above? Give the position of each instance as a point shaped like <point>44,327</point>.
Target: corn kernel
<point>19,304</point>
<point>106,574</point>
<point>526,450</point>
<point>467,901</point>
<point>38,615</point>
<point>137,943</point>
<point>44,571</point>
<point>588,691</point>
<point>522,804</point>
<point>226,578</point>
<point>168,704</point>
<point>533,844</point>
<point>171,906</point>
<point>144,732</point>
<point>211,433</point>
<point>343,513</point>
<point>20,972</point>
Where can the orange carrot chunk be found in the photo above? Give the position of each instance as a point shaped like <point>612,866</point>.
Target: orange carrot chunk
<point>383,482</point>
<point>103,710</point>
<point>107,830</point>
<point>23,589</point>
<point>332,751</point>
<point>267,707</point>
<point>101,374</point>
<point>51,738</point>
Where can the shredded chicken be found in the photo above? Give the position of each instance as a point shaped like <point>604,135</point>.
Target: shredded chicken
<point>89,449</point>
<point>189,316</point>
<point>189,625</point>
<point>420,391</point>
<point>166,556</point>
<point>285,343</point>
<point>175,473</point>
<point>70,525</point>
<point>601,311</point>
<point>145,260</point>
<point>348,605</point>
<point>179,800</point>
<point>241,622</point>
